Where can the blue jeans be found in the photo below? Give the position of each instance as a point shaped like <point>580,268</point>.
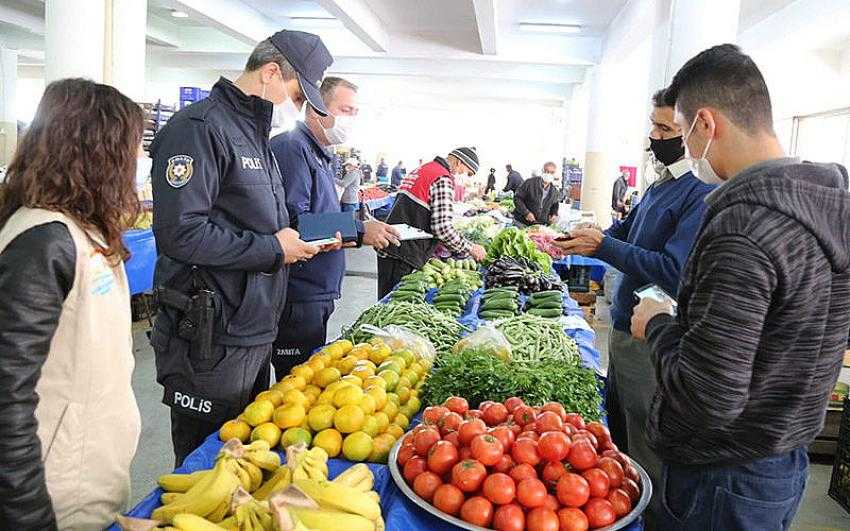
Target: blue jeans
<point>349,207</point>
<point>760,494</point>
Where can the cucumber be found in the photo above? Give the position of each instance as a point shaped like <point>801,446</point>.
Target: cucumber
<point>547,305</point>
<point>546,294</point>
<point>499,305</point>
<point>545,312</point>
<point>500,297</point>
<point>449,298</point>
<point>494,315</point>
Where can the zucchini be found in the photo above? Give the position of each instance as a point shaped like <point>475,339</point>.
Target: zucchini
<point>449,297</point>
<point>545,312</point>
<point>495,314</point>
<point>547,294</point>
<point>499,305</point>
<point>547,305</point>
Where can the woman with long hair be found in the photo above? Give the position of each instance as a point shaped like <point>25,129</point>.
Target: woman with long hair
<point>69,424</point>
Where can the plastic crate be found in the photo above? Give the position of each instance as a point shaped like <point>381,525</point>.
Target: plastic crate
<point>839,485</point>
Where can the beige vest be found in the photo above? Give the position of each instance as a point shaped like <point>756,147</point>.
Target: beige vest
<point>88,421</point>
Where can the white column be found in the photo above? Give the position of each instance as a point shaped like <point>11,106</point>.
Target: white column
<point>74,40</point>
<point>598,176</point>
<point>699,24</point>
<point>126,70</point>
<point>8,120</point>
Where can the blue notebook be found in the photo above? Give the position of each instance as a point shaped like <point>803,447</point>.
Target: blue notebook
<point>314,227</point>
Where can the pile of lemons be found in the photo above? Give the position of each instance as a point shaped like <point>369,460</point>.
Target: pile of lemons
<point>354,400</point>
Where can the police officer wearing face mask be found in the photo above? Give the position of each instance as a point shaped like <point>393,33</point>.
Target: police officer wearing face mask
<point>650,246</point>
<point>223,236</point>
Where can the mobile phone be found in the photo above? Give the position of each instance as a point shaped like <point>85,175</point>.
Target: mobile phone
<point>653,291</point>
<point>325,241</point>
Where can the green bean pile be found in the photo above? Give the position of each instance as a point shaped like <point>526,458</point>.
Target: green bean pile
<point>420,318</point>
<point>534,338</point>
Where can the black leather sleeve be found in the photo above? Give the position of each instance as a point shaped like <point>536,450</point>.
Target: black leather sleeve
<point>36,274</point>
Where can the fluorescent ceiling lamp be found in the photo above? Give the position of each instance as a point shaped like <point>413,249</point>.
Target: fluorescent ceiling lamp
<point>548,27</point>
<point>316,22</point>
<point>176,13</point>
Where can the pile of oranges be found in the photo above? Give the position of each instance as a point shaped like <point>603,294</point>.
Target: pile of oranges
<point>353,400</point>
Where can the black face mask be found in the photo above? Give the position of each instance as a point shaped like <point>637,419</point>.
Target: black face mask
<point>667,151</point>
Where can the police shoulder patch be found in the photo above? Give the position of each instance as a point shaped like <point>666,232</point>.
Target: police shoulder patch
<point>179,170</point>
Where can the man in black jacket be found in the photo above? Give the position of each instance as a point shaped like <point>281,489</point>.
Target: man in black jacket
<point>746,368</point>
<point>514,179</point>
<point>536,200</point>
<point>223,236</point>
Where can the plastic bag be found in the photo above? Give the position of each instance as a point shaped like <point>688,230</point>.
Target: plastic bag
<point>486,339</point>
<point>397,337</point>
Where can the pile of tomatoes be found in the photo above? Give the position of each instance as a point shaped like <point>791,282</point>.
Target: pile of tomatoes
<point>509,466</point>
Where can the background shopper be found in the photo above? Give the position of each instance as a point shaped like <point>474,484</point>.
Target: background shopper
<point>747,367</point>
<point>70,420</point>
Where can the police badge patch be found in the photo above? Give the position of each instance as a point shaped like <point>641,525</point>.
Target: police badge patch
<point>179,170</point>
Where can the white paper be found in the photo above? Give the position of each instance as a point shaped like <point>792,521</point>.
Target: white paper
<point>406,232</point>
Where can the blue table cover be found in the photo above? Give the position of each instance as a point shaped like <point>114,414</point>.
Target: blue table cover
<point>142,247</point>
<point>597,267</point>
<point>399,512</point>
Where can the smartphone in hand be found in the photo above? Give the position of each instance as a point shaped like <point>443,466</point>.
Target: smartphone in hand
<point>653,291</point>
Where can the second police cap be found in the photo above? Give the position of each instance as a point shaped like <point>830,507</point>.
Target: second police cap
<point>309,58</point>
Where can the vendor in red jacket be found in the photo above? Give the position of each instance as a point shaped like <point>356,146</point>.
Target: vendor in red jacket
<point>425,201</point>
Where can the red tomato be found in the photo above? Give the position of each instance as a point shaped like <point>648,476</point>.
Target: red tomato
<point>584,434</point>
<point>573,490</point>
<point>425,484</point>
<point>598,430</point>
<point>477,511</point>
<point>569,429</point>
<point>542,519</point>
<point>414,466</point>
<point>469,429</point>
<point>608,445</point>
<point>572,519</point>
<point>599,513</point>
<point>524,415</point>
<point>528,435</point>
<point>485,404</point>
<point>551,502</point>
<point>499,488</point>
<point>552,472</point>
<point>424,439</point>
<point>442,457</point>
<point>457,405</point>
<point>495,414</point>
<point>555,407</point>
<point>531,493</point>
<point>449,423</point>
<point>582,455</point>
<point>487,449</point>
<point>553,446</point>
<point>465,453</point>
<point>453,438</point>
<point>404,454</point>
<point>448,499</point>
<point>548,421</point>
<point>525,451</point>
<point>523,471</point>
<point>576,420</point>
<point>433,414</point>
<point>632,473</point>
<point>621,458</point>
<point>631,489</point>
<point>468,475</point>
<point>509,517</point>
<point>512,403</point>
<point>505,464</point>
<point>614,470</point>
<point>621,502</point>
<point>504,434</point>
<point>598,481</point>
<point>474,414</point>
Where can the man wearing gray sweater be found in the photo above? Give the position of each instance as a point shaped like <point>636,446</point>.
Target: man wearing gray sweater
<point>746,367</point>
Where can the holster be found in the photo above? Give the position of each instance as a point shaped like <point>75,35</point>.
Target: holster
<point>195,317</point>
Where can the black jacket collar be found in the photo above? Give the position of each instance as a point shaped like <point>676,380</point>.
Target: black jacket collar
<point>256,108</point>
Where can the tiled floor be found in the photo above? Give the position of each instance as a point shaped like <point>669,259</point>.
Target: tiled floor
<point>154,456</point>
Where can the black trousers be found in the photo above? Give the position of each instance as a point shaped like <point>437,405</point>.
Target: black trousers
<point>302,329</point>
<point>390,272</point>
<point>204,394</point>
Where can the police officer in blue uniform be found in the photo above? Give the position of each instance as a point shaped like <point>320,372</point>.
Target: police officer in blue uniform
<point>223,236</point>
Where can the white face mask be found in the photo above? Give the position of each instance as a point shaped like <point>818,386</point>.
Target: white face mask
<point>701,167</point>
<point>340,132</point>
<point>548,178</point>
<point>283,114</point>
<point>143,170</point>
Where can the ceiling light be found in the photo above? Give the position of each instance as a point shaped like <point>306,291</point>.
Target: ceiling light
<point>176,13</point>
<point>316,22</point>
<point>548,27</point>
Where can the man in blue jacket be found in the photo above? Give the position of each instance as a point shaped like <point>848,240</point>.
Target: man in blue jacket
<point>306,163</point>
<point>650,246</point>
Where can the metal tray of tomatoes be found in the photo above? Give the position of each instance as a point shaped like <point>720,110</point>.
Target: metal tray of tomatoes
<point>639,508</point>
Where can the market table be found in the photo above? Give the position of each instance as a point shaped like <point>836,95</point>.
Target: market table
<point>400,513</point>
<point>597,267</point>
